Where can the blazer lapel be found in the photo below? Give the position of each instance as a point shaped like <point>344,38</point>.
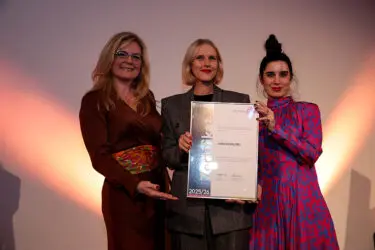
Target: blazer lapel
<point>186,109</point>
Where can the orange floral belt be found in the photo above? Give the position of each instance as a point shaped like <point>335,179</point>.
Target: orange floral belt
<point>138,159</point>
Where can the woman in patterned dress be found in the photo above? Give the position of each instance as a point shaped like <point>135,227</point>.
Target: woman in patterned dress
<point>292,213</point>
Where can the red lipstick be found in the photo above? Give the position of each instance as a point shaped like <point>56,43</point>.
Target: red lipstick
<point>206,71</point>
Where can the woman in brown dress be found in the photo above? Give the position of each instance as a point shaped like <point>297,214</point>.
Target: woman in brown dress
<point>121,130</point>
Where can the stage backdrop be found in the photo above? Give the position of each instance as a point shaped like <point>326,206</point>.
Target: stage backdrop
<point>50,195</point>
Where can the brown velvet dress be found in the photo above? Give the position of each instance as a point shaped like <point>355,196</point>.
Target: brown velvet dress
<point>133,221</point>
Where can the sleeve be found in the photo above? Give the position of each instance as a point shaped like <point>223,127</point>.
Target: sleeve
<point>171,152</point>
<point>94,132</point>
<point>308,147</point>
<point>246,99</point>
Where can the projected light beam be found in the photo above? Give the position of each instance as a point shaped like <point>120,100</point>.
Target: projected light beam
<point>348,126</point>
<point>45,139</point>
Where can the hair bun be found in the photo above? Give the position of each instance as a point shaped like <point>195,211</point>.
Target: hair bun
<point>272,45</point>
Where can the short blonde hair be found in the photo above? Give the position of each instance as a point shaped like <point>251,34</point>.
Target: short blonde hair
<point>187,75</point>
<point>102,75</point>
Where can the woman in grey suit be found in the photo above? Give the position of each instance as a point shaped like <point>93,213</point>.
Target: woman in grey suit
<point>200,224</point>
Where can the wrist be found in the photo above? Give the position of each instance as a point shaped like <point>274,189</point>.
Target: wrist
<point>271,127</point>
<point>138,189</point>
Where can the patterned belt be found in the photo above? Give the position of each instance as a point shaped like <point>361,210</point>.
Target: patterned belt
<point>138,159</point>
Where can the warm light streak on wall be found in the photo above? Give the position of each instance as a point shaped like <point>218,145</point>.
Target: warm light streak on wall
<point>45,140</point>
<point>348,126</point>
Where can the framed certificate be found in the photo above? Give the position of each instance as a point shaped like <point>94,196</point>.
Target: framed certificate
<point>223,159</point>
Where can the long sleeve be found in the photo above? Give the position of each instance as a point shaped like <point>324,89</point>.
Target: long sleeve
<point>246,99</point>
<point>171,151</point>
<point>308,148</point>
<point>94,132</point>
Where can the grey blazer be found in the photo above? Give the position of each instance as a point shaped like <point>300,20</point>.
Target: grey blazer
<point>187,215</point>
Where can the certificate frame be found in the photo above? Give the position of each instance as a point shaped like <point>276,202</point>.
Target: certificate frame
<point>217,165</point>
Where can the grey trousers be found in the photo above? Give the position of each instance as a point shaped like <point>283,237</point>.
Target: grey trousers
<point>236,240</point>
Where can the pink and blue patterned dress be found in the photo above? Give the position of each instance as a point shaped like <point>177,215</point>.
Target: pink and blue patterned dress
<point>292,214</point>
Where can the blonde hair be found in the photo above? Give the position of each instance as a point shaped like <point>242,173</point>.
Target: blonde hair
<point>103,79</point>
<point>187,75</point>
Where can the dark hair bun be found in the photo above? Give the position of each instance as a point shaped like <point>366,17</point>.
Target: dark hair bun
<point>272,46</point>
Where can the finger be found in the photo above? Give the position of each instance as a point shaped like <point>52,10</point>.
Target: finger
<point>188,135</point>
<point>252,202</point>
<point>146,184</point>
<point>265,118</point>
<point>181,143</point>
<point>186,143</point>
<point>241,202</point>
<point>186,139</point>
<point>258,104</point>
<point>261,111</point>
<point>261,104</point>
<point>184,146</point>
<point>151,185</point>
<point>185,149</point>
<point>165,196</point>
<point>235,201</point>
<point>161,195</point>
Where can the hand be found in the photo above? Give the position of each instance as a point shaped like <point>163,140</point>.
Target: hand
<point>259,197</point>
<point>184,142</point>
<point>266,115</point>
<point>241,202</point>
<point>152,190</point>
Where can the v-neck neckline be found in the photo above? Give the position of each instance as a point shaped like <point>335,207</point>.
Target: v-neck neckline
<point>127,106</point>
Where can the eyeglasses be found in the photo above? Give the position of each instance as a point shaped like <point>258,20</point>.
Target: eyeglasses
<point>137,58</point>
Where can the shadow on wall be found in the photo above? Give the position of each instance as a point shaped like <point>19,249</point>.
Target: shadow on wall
<point>10,186</point>
<point>361,218</point>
